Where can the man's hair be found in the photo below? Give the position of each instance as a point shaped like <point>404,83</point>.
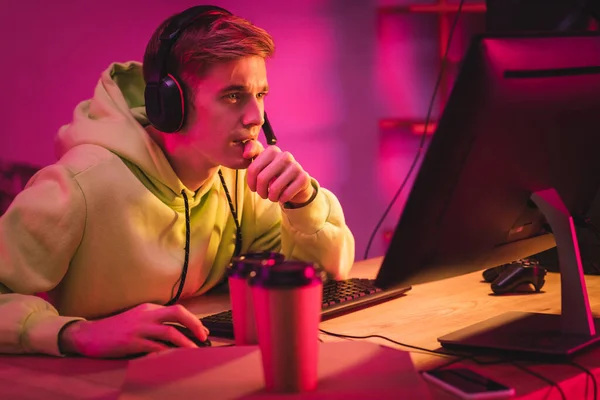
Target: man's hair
<point>212,38</point>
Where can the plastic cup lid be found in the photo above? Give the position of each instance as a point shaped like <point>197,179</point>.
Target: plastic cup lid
<point>243,265</point>
<point>287,274</point>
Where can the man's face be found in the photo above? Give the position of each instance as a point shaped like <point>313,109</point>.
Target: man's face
<point>229,109</point>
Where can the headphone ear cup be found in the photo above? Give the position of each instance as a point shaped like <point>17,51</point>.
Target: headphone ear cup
<point>165,104</point>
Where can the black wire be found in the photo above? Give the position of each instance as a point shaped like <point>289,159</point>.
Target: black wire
<point>238,230</point>
<point>187,252</point>
<point>236,193</point>
<point>389,340</point>
<point>590,374</point>
<point>540,376</point>
<point>424,135</point>
<point>434,352</point>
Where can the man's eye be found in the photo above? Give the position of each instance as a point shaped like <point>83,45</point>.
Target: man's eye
<point>232,97</point>
<point>261,95</point>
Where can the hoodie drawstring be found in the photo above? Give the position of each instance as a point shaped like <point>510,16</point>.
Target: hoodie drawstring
<point>238,229</point>
<point>187,251</point>
<point>238,235</point>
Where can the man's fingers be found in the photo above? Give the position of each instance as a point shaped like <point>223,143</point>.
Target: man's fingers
<point>275,175</point>
<point>268,176</point>
<point>283,161</point>
<point>168,334</point>
<point>278,185</point>
<point>181,315</point>
<point>301,182</point>
<point>259,164</point>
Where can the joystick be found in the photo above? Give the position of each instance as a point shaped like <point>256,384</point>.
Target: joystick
<point>509,277</point>
<point>490,274</point>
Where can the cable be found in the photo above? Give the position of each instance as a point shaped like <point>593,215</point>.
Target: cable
<point>590,374</point>
<point>186,260</point>
<point>424,135</point>
<point>439,353</point>
<point>540,376</point>
<point>238,229</point>
<point>434,352</point>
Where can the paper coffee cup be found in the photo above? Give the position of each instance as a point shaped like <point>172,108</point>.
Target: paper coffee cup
<point>287,304</point>
<point>240,296</point>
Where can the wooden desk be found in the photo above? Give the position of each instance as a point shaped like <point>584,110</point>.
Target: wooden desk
<point>434,309</point>
<point>427,312</point>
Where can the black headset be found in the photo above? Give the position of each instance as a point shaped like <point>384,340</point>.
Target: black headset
<point>165,100</point>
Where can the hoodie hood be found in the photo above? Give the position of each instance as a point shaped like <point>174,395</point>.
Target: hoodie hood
<point>115,118</point>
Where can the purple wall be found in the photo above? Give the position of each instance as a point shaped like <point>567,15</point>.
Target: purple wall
<point>326,79</point>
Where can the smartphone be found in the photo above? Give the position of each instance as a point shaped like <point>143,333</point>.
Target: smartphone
<point>468,384</point>
<point>268,131</point>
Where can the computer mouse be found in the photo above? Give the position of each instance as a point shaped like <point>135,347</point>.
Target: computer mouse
<point>187,333</point>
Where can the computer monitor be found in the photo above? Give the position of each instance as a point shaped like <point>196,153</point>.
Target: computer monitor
<point>514,156</point>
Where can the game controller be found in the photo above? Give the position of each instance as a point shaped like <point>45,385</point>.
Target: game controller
<point>491,274</point>
<point>509,277</point>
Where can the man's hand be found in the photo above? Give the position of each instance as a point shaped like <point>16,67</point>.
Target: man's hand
<point>276,175</point>
<point>135,331</point>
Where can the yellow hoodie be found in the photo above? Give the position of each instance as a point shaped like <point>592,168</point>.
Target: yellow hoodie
<point>103,229</point>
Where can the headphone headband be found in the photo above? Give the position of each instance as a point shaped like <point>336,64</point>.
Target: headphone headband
<point>170,35</point>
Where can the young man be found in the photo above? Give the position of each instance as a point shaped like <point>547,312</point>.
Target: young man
<point>132,218</point>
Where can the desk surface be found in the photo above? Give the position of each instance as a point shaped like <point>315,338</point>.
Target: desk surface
<point>427,312</point>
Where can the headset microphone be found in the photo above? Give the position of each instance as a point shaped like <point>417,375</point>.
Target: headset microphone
<point>268,130</point>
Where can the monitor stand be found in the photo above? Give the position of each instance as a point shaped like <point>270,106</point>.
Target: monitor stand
<point>546,334</point>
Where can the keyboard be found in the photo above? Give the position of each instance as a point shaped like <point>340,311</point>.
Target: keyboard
<point>339,298</point>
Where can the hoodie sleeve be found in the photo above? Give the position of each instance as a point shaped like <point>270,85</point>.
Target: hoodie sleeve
<point>39,234</point>
<point>316,232</point>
